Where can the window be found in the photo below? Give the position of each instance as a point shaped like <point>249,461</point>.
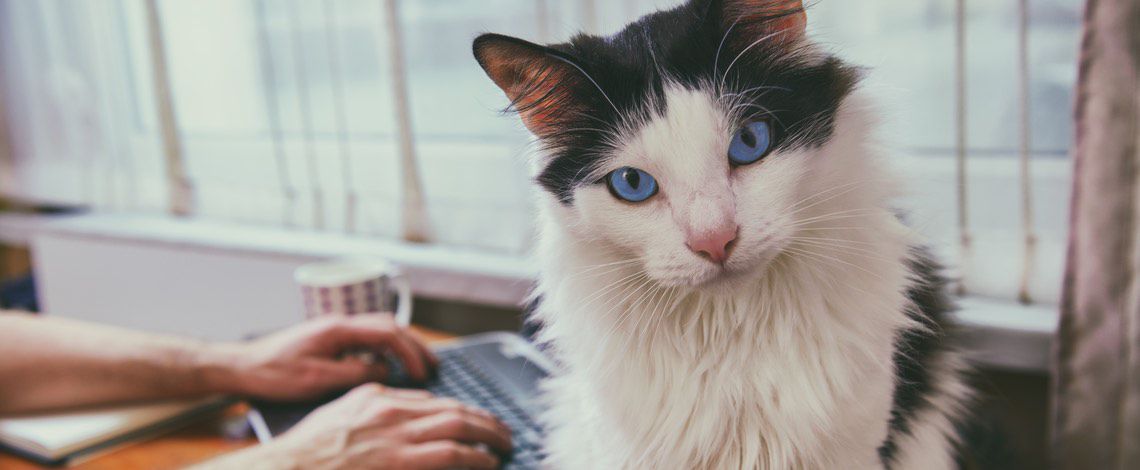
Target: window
<point>286,97</point>
<point>910,47</point>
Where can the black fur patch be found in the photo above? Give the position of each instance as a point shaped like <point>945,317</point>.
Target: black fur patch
<point>531,324</point>
<point>692,45</point>
<point>917,349</point>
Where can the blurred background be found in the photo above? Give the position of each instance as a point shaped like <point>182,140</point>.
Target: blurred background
<point>167,163</point>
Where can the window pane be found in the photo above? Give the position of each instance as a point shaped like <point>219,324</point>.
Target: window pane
<point>910,48</point>
<point>451,96</point>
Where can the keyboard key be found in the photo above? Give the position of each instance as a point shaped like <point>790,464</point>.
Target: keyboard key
<point>462,379</point>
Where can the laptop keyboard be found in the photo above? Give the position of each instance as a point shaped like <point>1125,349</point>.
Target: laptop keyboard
<point>464,374</point>
<point>465,380</point>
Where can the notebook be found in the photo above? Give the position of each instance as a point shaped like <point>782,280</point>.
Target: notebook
<point>69,437</point>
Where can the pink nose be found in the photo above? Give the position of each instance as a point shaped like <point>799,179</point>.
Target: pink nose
<point>715,245</point>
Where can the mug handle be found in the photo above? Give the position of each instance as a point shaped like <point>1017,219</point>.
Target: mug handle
<point>404,301</point>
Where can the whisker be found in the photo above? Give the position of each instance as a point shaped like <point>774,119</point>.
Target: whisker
<point>821,229</point>
<point>629,288</point>
<point>668,301</point>
<point>646,281</point>
<point>765,111</point>
<point>635,330</point>
<point>716,58</point>
<point>591,79</point>
<point>593,270</point>
<point>828,219</point>
<point>766,89</point>
<point>591,116</point>
<point>840,240</point>
<point>654,317</point>
<point>595,275</point>
<point>738,99</point>
<point>622,316</point>
<point>845,188</point>
<point>746,49</point>
<point>652,54</point>
<point>615,263</point>
<point>637,304</point>
<point>869,254</point>
<point>860,211</point>
<point>822,257</point>
<point>601,293</point>
<point>583,129</point>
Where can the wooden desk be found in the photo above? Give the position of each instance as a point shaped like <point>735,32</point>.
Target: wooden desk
<point>188,446</point>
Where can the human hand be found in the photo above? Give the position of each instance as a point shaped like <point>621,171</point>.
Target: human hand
<point>305,361</point>
<point>373,426</point>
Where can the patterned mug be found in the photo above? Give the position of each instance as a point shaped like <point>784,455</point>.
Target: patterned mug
<point>353,286</point>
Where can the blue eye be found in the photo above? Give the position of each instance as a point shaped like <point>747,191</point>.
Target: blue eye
<point>751,143</point>
<point>631,184</point>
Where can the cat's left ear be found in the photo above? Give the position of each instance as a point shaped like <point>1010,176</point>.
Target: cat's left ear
<point>777,21</point>
<point>545,86</point>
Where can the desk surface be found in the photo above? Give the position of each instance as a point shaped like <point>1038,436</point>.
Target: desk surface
<point>190,445</point>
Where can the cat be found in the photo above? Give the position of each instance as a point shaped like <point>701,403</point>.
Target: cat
<point>722,276</point>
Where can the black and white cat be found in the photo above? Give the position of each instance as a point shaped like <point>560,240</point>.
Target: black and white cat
<point>722,274</point>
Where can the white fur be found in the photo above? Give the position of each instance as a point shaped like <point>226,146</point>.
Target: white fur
<point>781,358</point>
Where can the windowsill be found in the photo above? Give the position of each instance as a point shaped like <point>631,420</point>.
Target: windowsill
<point>436,271</point>
<point>1008,335</point>
<point>999,333</point>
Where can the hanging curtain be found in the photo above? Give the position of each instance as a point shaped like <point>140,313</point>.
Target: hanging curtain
<point>1096,390</point>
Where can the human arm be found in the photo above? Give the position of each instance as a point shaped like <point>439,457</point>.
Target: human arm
<point>48,363</point>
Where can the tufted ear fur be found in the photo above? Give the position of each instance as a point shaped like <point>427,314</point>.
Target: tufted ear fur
<point>545,86</point>
<point>783,21</point>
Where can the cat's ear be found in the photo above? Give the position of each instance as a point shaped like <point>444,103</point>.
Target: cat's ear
<point>544,86</point>
<point>778,21</point>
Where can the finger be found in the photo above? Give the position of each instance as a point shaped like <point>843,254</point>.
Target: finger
<point>380,335</point>
<point>425,351</point>
<point>462,426</point>
<point>368,390</point>
<point>331,375</point>
<point>385,319</point>
<point>443,405</point>
<point>416,363</point>
<point>424,407</point>
<point>350,373</point>
<point>441,455</point>
<point>415,357</point>
<point>387,409</point>
<point>408,393</point>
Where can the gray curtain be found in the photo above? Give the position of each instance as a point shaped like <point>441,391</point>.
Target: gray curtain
<point>1096,388</point>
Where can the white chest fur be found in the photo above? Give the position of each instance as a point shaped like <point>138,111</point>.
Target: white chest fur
<point>793,371</point>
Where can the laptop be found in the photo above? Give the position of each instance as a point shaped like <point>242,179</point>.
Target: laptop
<point>498,372</point>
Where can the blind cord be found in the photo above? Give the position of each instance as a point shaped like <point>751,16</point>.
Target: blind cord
<point>414,217</point>
<point>181,191</point>
<point>341,115</point>
<point>273,112</point>
<point>960,117</point>
<point>302,79</point>
<point>1025,152</point>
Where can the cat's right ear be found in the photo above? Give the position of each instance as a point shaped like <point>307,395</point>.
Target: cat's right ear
<point>541,83</point>
<point>777,21</point>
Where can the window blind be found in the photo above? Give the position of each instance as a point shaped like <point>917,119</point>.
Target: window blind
<point>370,117</point>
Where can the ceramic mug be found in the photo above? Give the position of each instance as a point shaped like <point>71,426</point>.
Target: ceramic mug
<point>355,286</point>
